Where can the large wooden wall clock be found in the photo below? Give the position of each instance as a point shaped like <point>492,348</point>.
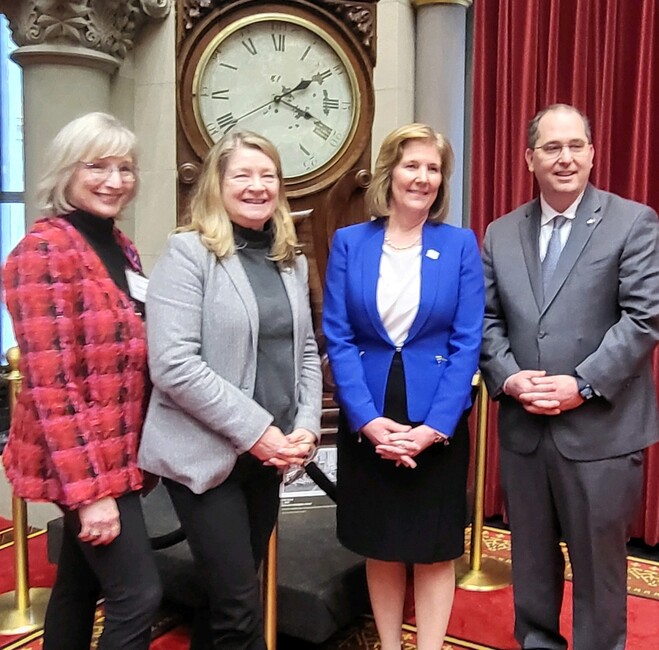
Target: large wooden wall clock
<point>301,74</point>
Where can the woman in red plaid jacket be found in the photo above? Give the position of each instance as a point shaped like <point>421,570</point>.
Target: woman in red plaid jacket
<point>74,288</point>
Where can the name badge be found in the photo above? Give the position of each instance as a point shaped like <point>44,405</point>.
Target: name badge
<point>137,285</point>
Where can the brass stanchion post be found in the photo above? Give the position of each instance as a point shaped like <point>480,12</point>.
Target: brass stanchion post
<point>23,609</point>
<point>473,571</point>
<point>270,592</point>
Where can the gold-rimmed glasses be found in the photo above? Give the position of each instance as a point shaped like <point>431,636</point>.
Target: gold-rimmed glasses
<point>101,171</point>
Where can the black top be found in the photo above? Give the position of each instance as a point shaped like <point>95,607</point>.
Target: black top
<point>99,234</point>
<point>275,372</point>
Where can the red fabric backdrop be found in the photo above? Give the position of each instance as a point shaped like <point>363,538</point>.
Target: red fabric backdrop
<point>599,55</point>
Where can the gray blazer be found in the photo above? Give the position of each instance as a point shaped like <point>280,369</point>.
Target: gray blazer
<point>202,328</point>
<point>600,319</point>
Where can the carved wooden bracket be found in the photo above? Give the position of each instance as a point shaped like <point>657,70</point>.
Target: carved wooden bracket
<point>359,16</point>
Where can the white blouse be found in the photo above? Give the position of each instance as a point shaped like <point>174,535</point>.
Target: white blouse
<point>399,290</point>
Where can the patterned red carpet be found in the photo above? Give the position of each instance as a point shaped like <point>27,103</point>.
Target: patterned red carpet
<point>480,620</point>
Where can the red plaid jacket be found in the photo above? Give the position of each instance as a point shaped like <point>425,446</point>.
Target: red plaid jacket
<point>77,424</point>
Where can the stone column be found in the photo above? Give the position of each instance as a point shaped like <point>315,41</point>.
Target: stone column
<point>441,46</point>
<point>69,51</point>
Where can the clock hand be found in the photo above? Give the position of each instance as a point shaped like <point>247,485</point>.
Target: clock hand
<point>301,112</point>
<point>320,128</point>
<point>255,110</point>
<point>304,83</point>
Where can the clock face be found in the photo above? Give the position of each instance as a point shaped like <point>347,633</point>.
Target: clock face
<point>284,78</point>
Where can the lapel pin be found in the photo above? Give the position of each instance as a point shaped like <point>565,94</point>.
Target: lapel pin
<point>590,222</point>
<point>432,254</point>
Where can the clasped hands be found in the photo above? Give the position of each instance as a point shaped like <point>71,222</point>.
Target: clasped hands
<point>543,394</point>
<point>275,449</point>
<point>398,442</point>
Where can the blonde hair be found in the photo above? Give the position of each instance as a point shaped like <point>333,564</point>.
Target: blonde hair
<point>378,194</point>
<point>208,214</point>
<point>89,137</point>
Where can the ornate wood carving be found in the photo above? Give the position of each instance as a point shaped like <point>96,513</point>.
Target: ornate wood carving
<point>359,16</point>
<point>191,11</point>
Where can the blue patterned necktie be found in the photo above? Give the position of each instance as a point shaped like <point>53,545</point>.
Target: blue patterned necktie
<point>553,251</point>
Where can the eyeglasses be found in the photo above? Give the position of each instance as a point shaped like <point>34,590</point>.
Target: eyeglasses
<point>552,150</point>
<point>100,171</point>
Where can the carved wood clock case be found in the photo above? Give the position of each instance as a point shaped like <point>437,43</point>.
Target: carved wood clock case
<point>301,74</point>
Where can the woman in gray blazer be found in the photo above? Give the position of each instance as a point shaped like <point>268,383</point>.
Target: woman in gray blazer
<point>236,374</point>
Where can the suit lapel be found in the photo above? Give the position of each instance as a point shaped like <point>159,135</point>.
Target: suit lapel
<point>529,233</point>
<point>289,279</point>
<point>372,253</point>
<point>237,275</point>
<point>431,253</point>
<point>583,226</point>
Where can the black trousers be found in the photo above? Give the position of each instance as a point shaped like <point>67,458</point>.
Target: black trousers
<point>228,528</point>
<point>123,572</point>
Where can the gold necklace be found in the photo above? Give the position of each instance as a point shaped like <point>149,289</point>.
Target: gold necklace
<point>401,248</point>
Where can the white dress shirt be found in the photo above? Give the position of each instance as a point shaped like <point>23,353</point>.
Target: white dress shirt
<point>547,224</point>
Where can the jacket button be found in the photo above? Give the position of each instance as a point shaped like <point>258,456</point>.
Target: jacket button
<point>541,335</point>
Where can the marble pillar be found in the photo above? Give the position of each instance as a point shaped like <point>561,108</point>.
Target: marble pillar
<point>69,51</point>
<point>440,80</point>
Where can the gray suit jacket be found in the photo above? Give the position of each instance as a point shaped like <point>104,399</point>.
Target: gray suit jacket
<point>202,328</point>
<point>600,319</point>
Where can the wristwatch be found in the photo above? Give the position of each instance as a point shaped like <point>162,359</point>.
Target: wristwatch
<point>585,389</point>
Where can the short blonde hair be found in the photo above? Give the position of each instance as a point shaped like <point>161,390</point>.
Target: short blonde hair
<point>378,194</point>
<point>89,137</point>
<point>208,214</point>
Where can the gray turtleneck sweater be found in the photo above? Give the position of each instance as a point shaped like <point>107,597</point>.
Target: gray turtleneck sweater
<point>275,372</point>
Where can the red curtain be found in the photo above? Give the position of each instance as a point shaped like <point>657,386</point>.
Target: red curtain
<point>599,55</point>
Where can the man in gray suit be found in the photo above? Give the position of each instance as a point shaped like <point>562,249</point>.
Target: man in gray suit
<point>571,320</point>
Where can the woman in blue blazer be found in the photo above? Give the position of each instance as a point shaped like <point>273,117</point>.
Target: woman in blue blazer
<point>402,317</point>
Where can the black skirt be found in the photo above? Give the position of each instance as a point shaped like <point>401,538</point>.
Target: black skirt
<point>401,514</point>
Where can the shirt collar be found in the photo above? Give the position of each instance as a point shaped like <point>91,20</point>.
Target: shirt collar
<point>548,213</point>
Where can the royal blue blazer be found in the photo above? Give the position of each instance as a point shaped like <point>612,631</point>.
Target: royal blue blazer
<point>440,355</point>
